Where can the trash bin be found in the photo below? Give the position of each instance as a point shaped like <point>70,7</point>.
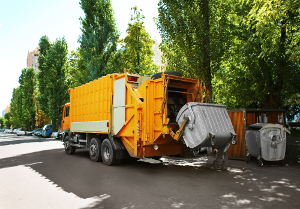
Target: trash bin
<point>209,125</point>
<point>266,141</point>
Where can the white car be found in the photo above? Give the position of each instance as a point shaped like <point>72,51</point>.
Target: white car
<point>9,131</point>
<point>15,130</point>
<point>21,132</point>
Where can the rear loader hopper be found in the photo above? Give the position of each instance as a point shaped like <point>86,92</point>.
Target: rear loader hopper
<point>128,115</point>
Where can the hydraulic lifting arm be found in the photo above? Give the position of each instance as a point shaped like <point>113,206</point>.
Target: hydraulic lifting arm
<point>180,130</point>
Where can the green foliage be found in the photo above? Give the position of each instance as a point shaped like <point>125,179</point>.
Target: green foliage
<point>23,105</point>
<point>16,107</point>
<point>27,82</point>
<point>2,122</point>
<point>56,88</point>
<point>98,41</point>
<point>7,120</point>
<point>42,98</point>
<point>137,51</point>
<point>192,34</point>
<point>53,77</point>
<point>261,66</point>
<point>79,74</point>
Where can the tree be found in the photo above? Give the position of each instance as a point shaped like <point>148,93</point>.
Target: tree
<point>138,53</point>
<point>261,68</point>
<point>16,107</point>
<point>78,71</point>
<point>56,87</point>
<point>7,120</point>
<point>193,34</point>
<point>27,82</point>
<point>2,122</point>
<point>98,41</point>
<point>53,78</point>
<point>42,98</point>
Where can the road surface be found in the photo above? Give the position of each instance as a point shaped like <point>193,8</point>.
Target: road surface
<point>36,173</point>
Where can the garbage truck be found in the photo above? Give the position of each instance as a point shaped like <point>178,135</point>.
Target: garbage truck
<point>120,116</point>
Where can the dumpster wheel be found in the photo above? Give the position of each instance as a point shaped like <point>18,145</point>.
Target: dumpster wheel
<point>260,162</point>
<point>248,158</point>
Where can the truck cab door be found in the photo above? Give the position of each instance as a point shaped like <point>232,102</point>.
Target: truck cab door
<point>65,123</point>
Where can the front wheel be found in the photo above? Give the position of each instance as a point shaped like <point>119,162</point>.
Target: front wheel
<point>108,153</point>
<point>94,151</point>
<point>70,150</point>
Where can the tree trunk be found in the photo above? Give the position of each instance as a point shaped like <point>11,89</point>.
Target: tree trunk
<point>206,50</point>
<point>273,99</point>
<point>33,122</point>
<point>54,124</point>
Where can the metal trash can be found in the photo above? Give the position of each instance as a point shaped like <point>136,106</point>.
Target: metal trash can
<point>208,126</point>
<point>266,141</point>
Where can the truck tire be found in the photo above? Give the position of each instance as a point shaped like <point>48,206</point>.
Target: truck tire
<point>95,150</point>
<point>108,153</point>
<point>70,150</point>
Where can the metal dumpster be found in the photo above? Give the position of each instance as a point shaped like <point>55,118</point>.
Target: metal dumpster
<point>208,125</point>
<point>266,141</point>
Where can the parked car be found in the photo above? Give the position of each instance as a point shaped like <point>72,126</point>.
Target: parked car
<point>56,135</point>
<point>38,133</point>
<point>15,130</point>
<point>9,131</point>
<point>47,131</point>
<point>30,133</point>
<point>21,132</point>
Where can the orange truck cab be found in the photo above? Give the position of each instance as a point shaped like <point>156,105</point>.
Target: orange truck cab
<point>127,115</point>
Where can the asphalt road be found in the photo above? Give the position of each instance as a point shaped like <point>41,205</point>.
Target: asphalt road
<point>36,173</point>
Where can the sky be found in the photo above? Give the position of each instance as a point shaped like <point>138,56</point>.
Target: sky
<point>23,23</point>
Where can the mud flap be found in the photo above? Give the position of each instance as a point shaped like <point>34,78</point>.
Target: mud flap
<point>119,148</point>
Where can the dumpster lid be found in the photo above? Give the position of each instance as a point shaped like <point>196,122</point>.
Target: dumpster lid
<point>264,125</point>
<point>184,107</point>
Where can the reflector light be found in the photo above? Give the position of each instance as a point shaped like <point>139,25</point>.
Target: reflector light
<point>107,124</point>
<point>131,78</point>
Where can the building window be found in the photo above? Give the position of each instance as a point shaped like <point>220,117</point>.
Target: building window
<point>35,64</point>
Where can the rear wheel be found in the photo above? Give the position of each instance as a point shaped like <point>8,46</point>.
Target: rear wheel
<point>70,150</point>
<point>108,153</point>
<point>94,151</point>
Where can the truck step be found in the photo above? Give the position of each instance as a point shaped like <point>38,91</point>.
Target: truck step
<point>150,160</point>
<point>82,141</point>
<point>77,145</point>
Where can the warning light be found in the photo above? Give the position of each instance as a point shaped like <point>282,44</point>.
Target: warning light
<point>132,78</point>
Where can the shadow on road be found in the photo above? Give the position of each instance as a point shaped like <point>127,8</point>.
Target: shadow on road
<point>176,183</point>
<point>18,140</point>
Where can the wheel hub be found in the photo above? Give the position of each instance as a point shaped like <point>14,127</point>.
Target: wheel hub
<point>93,150</point>
<point>106,152</point>
<point>67,144</point>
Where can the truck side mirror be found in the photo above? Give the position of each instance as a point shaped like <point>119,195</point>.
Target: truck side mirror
<point>60,109</point>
